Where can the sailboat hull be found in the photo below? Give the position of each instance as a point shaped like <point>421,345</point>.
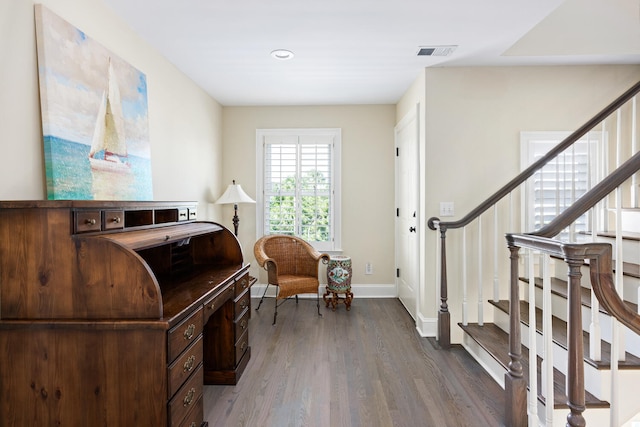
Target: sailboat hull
<point>110,166</point>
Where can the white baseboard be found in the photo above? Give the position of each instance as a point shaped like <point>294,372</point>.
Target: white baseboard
<point>359,291</point>
<point>427,326</point>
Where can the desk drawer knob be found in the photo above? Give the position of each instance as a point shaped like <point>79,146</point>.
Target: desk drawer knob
<point>243,305</point>
<point>188,399</point>
<point>116,219</point>
<point>212,306</point>
<point>188,365</point>
<point>243,324</point>
<point>188,333</point>
<point>90,221</point>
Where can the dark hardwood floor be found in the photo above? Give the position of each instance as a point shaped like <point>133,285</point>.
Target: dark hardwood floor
<point>366,367</point>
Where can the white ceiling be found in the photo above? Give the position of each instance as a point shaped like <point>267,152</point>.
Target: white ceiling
<point>364,51</point>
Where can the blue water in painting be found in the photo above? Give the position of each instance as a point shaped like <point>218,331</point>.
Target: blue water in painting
<point>69,175</point>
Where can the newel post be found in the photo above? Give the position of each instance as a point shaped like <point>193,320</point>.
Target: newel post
<point>515,386</point>
<point>575,368</point>
<point>444,317</point>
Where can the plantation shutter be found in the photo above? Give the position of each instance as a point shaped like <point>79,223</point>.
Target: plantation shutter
<point>560,182</point>
<point>298,186</point>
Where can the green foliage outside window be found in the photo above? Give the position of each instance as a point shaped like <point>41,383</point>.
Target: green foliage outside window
<point>313,195</point>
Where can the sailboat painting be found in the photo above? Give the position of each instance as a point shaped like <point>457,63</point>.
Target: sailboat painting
<point>94,117</point>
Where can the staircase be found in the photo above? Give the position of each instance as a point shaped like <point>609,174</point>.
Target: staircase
<point>571,301</point>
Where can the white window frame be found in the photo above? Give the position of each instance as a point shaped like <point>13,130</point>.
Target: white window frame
<point>335,243</point>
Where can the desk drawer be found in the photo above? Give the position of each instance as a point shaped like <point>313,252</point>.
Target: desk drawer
<point>85,221</point>
<point>217,301</point>
<point>241,346</point>
<point>184,365</point>
<point>196,416</point>
<point>242,302</point>
<point>242,283</point>
<point>113,219</point>
<point>186,398</point>
<point>242,324</point>
<point>184,334</point>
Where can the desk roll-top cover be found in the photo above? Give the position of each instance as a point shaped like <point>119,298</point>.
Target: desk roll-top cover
<point>116,313</point>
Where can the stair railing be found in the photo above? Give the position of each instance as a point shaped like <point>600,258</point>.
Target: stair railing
<point>603,285</point>
<point>434,223</point>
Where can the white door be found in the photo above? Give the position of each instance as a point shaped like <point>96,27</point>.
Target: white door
<point>407,196</point>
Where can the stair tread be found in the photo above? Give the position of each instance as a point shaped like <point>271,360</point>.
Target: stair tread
<point>559,327</point>
<point>628,235</point>
<point>559,287</point>
<point>496,342</point>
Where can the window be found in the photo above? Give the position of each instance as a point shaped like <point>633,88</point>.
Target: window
<point>298,187</point>
<point>560,182</point>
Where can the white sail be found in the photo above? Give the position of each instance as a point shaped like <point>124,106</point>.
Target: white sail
<point>108,134</point>
<point>97,143</point>
<point>114,119</point>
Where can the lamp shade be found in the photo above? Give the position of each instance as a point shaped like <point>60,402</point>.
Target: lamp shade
<point>234,194</point>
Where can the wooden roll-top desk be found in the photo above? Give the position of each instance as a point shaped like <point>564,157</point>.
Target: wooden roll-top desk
<point>117,313</point>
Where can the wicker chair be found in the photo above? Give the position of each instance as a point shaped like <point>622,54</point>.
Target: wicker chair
<point>292,266</point>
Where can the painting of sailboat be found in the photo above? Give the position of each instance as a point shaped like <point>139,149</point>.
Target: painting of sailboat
<point>94,117</point>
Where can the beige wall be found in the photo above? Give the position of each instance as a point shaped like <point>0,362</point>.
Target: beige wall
<point>473,120</point>
<point>184,122</point>
<point>367,177</point>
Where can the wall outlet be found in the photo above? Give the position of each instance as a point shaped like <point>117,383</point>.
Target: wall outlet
<point>368,268</point>
<point>446,209</point>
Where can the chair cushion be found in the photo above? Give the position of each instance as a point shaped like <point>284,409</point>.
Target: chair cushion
<point>292,285</point>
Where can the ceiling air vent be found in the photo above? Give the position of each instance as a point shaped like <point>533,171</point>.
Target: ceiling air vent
<point>436,50</point>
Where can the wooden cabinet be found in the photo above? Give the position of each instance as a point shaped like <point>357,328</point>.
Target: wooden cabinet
<point>117,313</point>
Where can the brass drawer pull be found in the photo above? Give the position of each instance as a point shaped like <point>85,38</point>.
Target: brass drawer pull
<point>90,221</point>
<point>243,347</point>
<point>243,324</point>
<point>212,306</point>
<point>116,219</point>
<point>193,424</point>
<point>188,399</point>
<point>243,283</point>
<point>188,365</point>
<point>243,304</point>
<point>188,333</point>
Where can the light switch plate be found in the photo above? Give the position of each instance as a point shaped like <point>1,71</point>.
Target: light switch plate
<point>446,209</point>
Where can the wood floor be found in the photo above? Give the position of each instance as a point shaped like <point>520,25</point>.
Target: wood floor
<point>367,367</point>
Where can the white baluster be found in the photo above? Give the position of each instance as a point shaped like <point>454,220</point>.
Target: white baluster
<point>547,363</point>
<point>480,251</point>
<point>465,308</point>
<point>634,149</point>
<point>496,289</point>
<point>533,366</point>
<point>595,333</point>
<point>619,266</point>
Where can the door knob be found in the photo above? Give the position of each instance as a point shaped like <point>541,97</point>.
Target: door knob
<point>412,229</point>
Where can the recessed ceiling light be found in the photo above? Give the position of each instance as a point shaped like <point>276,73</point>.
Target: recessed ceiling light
<point>282,54</point>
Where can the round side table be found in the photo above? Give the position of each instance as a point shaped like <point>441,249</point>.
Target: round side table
<point>338,282</point>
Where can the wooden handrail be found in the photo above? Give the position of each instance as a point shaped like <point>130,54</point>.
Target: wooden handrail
<point>528,172</point>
